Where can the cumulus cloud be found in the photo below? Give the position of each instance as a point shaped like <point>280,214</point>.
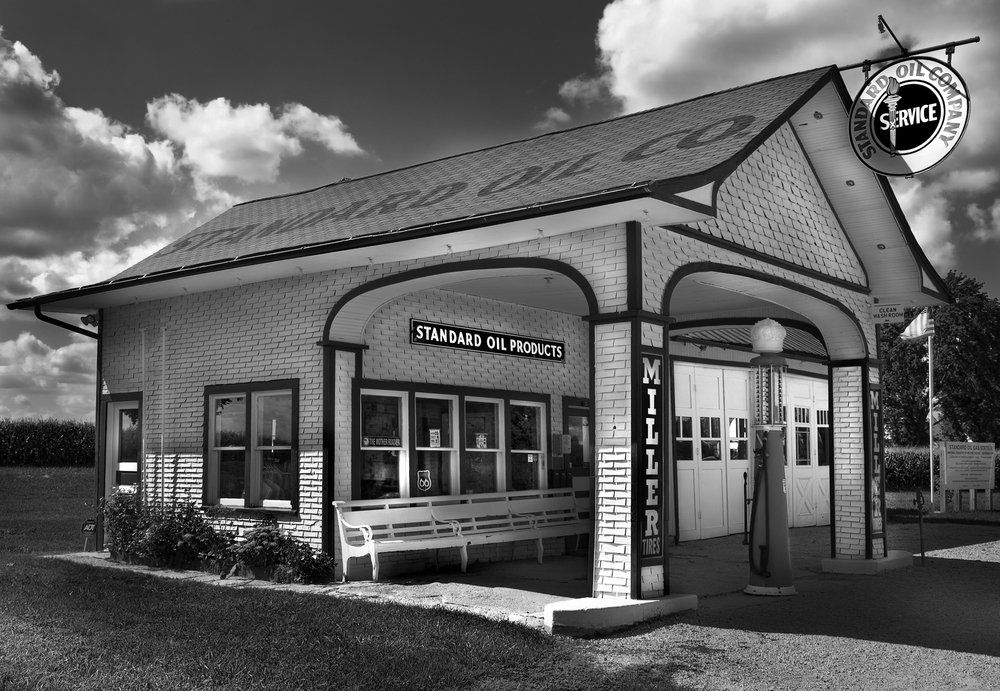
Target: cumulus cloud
<point>246,142</point>
<point>554,118</point>
<point>49,382</point>
<point>929,211</point>
<point>74,180</point>
<point>985,222</point>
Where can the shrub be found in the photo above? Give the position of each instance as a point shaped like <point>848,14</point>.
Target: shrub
<point>38,442</point>
<point>293,561</point>
<point>163,536</point>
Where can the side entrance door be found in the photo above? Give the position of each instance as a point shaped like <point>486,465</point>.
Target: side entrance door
<point>807,456</point>
<point>123,446</point>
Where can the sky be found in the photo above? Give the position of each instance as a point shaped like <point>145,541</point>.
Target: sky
<point>124,124</point>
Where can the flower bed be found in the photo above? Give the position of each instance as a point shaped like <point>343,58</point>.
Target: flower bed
<point>180,536</point>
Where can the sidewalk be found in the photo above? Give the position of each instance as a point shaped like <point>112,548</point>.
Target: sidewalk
<point>518,591</point>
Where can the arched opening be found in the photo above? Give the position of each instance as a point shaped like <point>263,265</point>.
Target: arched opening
<point>713,308</point>
<point>462,382</point>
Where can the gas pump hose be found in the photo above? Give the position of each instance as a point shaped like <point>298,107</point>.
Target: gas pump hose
<point>761,568</point>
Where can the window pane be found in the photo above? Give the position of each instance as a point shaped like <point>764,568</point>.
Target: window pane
<point>232,474</point>
<point>380,420</point>
<point>711,450</point>
<point>274,419</point>
<point>802,446</point>
<point>711,427</point>
<point>823,445</point>
<point>683,450</point>
<point>479,473</point>
<point>433,473</point>
<point>434,422</point>
<point>379,474</point>
<point>738,449</point>
<point>128,434</point>
<point>230,421</point>
<point>737,427</point>
<point>481,426</point>
<point>525,428</point>
<point>276,477</point>
<point>524,471</point>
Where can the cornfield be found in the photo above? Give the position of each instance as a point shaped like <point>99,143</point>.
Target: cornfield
<point>38,442</point>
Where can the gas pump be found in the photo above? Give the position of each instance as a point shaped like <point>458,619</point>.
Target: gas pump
<point>769,550</point>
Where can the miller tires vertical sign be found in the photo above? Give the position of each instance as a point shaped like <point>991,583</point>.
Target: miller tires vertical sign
<point>909,116</point>
<point>649,468</point>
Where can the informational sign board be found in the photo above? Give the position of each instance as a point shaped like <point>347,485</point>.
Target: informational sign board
<point>909,116</point>
<point>969,465</point>
<point>886,313</point>
<point>494,342</point>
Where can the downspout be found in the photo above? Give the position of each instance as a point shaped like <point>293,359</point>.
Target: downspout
<point>65,325</point>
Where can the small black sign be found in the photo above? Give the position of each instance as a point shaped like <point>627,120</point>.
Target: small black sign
<point>89,527</point>
<point>464,338</point>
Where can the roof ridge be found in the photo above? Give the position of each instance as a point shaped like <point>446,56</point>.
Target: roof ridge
<point>543,135</point>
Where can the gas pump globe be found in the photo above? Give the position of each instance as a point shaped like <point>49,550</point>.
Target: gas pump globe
<point>770,554</point>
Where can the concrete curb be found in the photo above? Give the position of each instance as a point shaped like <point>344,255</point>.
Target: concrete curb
<point>897,559</point>
<point>592,616</point>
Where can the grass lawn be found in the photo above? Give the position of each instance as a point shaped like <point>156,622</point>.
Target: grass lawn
<point>70,626</point>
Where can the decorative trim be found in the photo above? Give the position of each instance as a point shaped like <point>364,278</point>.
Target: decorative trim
<point>829,204</point>
<point>627,316</point>
<point>696,234</point>
<point>702,267</point>
<point>343,345</point>
<point>456,267</point>
<point>633,265</point>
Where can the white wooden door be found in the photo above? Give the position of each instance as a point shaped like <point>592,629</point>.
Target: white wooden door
<point>737,424</point>
<point>807,461</point>
<point>683,451</point>
<point>711,461</point>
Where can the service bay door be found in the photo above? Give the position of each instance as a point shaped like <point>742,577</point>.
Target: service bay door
<point>710,450</point>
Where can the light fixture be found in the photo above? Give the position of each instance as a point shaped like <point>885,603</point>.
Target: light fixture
<point>89,320</point>
<point>818,115</point>
<point>880,245</point>
<point>850,183</point>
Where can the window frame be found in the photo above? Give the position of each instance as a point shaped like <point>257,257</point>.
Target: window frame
<point>458,395</point>
<point>253,453</point>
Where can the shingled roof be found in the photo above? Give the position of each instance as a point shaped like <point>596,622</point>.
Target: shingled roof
<point>661,152</point>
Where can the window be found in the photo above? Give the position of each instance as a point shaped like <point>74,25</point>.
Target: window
<point>683,438</point>
<point>417,443</point>
<point>382,444</point>
<point>802,437</point>
<point>435,444</point>
<point>823,437</point>
<point>711,438</point>
<point>738,436</point>
<point>526,433</point>
<point>481,460</point>
<point>252,445</point>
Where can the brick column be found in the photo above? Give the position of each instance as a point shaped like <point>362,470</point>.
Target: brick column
<point>850,503</point>
<point>630,407</point>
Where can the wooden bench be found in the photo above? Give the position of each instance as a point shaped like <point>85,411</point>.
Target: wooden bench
<point>371,527</point>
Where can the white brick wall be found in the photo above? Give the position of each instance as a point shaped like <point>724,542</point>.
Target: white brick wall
<point>849,464</point>
<point>269,330</point>
<point>771,198</point>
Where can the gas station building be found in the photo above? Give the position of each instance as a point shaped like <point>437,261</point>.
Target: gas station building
<point>578,304</point>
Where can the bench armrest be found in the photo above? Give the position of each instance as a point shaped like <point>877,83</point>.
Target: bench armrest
<point>366,530</point>
<point>456,527</point>
<point>530,516</point>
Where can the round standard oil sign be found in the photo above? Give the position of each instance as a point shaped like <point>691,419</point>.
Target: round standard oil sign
<point>909,116</point>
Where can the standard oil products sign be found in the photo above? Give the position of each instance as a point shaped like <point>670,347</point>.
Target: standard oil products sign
<point>909,116</point>
<point>465,338</point>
